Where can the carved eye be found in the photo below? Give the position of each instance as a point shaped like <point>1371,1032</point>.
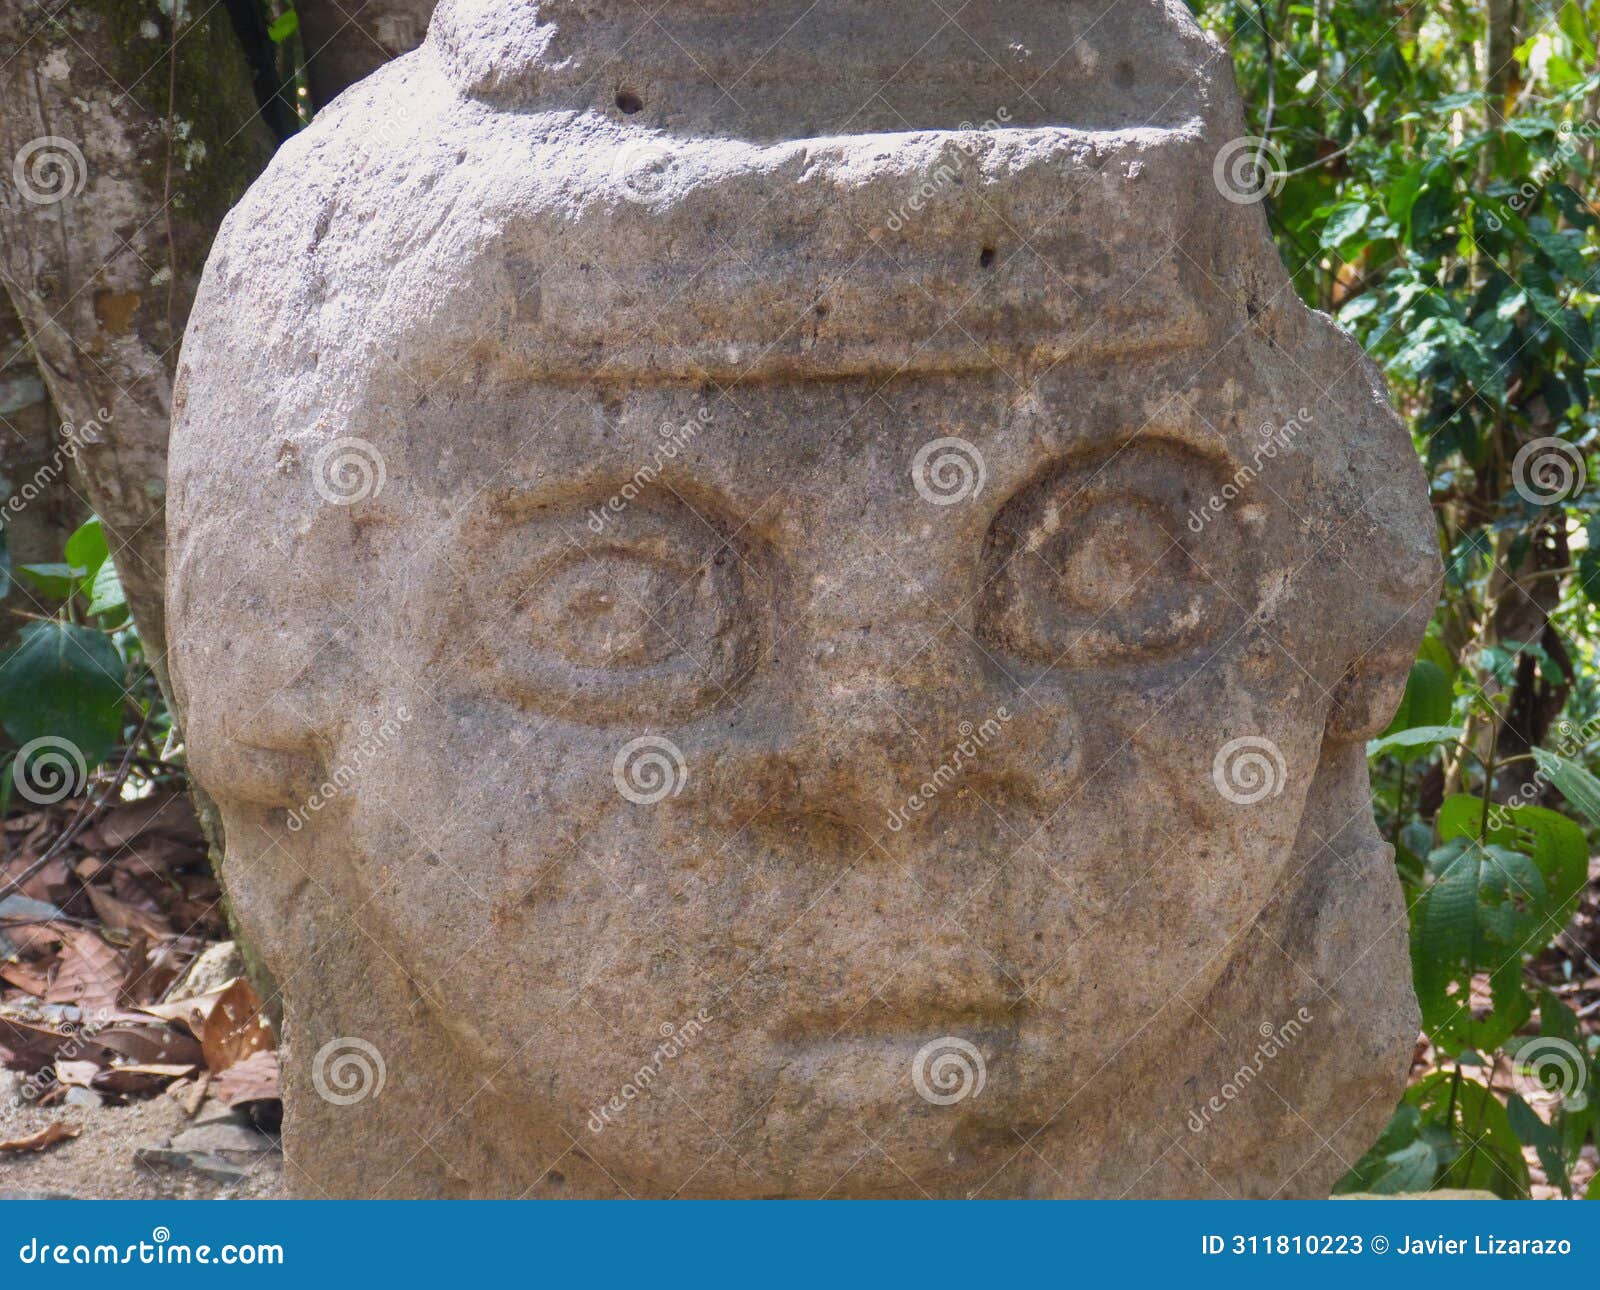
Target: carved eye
<point>649,620</point>
<point>613,609</point>
<point>1093,562</point>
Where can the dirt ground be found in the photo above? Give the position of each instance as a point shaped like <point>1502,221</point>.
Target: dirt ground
<point>99,1164</point>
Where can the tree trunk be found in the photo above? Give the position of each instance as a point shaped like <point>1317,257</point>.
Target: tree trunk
<point>345,41</point>
<point>125,136</point>
<point>40,504</point>
<point>1499,71</point>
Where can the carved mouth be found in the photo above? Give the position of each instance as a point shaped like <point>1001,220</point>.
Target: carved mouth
<point>877,1021</point>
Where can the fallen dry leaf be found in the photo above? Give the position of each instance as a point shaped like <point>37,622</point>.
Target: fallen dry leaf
<point>252,1079</point>
<point>169,815</point>
<point>235,1029</point>
<point>192,1013</point>
<point>90,975</point>
<point>120,916</point>
<point>140,1077</point>
<point>148,1043</point>
<point>46,1137</point>
<point>25,978</point>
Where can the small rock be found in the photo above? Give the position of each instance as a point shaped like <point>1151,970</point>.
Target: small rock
<point>224,1137</point>
<point>207,1166</point>
<point>77,1096</point>
<point>211,971</point>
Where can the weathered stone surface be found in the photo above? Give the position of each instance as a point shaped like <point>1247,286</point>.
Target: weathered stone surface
<point>696,586</point>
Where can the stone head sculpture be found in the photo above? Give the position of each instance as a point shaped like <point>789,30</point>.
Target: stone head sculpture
<point>784,601</point>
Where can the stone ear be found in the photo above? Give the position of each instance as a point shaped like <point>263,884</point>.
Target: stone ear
<point>1366,698</point>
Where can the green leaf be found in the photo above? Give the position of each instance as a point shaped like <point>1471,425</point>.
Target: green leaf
<point>1487,1152</point>
<point>86,549</point>
<point>1345,224</point>
<point>1589,563</point>
<point>284,26</point>
<point>66,682</point>
<point>1492,902</point>
<point>1577,785</point>
<point>1544,1138</point>
<point>1562,252</point>
<point>55,580</point>
<point>1403,193</point>
<point>1401,1160</point>
<point>106,594</point>
<point>1483,906</point>
<point>1411,740</point>
<point>1428,699</point>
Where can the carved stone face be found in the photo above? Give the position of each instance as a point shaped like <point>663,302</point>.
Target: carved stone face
<point>802,748</point>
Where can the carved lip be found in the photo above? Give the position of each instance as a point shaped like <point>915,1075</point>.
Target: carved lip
<point>876,1021</point>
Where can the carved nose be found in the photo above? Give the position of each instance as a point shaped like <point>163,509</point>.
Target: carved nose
<point>871,735</point>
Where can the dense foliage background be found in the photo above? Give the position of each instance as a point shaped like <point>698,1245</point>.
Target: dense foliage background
<point>1429,171</point>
